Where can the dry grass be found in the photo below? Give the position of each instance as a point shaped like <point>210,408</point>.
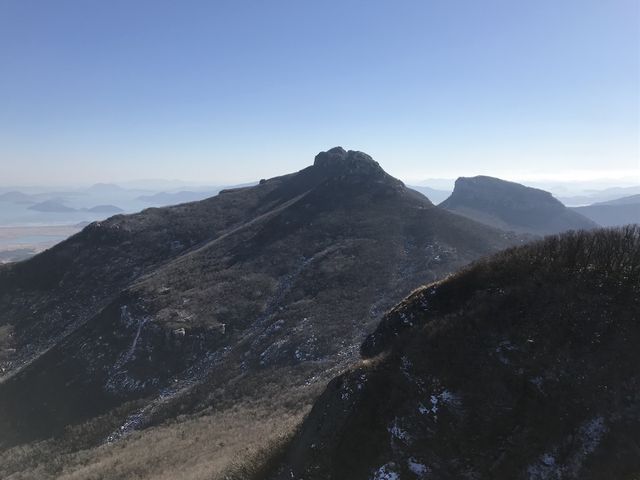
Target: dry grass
<point>234,443</point>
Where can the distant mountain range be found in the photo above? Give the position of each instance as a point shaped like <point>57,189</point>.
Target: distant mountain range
<point>174,198</point>
<point>616,212</point>
<point>436,196</point>
<point>599,196</point>
<point>50,206</point>
<point>15,197</point>
<point>57,207</point>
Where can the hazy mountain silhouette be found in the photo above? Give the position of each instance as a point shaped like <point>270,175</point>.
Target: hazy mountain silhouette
<point>599,196</point>
<point>621,211</point>
<point>16,197</point>
<point>174,198</point>
<point>436,196</point>
<point>105,209</point>
<point>51,206</point>
<point>511,206</point>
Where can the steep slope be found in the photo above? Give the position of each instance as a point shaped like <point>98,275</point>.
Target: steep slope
<point>621,211</point>
<point>522,366</point>
<point>259,295</point>
<point>511,206</point>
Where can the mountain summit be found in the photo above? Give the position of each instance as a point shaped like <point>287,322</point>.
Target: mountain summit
<point>512,206</point>
<point>337,161</point>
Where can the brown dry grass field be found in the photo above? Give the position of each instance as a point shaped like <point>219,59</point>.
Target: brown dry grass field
<point>201,448</point>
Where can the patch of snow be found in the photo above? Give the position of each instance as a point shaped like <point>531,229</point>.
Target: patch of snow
<point>385,472</point>
<point>437,400</point>
<point>346,392</point>
<point>545,468</point>
<point>449,398</point>
<point>589,436</point>
<point>503,348</point>
<point>406,319</point>
<point>397,432</point>
<point>419,469</point>
<point>434,404</point>
<point>538,382</point>
<point>591,433</point>
<point>405,367</point>
<point>548,460</point>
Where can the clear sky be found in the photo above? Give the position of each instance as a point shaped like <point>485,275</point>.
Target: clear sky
<point>231,91</point>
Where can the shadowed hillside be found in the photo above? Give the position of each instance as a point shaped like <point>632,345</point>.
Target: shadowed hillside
<point>523,366</point>
<point>622,211</point>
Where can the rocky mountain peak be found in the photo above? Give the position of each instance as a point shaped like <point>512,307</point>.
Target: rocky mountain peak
<point>338,161</point>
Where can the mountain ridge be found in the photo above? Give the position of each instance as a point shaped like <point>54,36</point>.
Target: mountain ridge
<point>248,290</point>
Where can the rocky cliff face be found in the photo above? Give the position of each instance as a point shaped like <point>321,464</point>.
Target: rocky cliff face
<point>352,164</point>
<point>524,366</point>
<point>511,206</point>
<point>194,308</point>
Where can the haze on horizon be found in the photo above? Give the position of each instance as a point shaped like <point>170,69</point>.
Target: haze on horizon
<point>113,91</point>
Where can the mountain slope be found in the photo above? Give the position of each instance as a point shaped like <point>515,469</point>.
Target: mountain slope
<point>511,206</point>
<point>621,211</point>
<point>630,200</point>
<point>522,366</point>
<point>256,296</point>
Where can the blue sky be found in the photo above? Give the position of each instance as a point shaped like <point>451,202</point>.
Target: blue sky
<point>231,91</point>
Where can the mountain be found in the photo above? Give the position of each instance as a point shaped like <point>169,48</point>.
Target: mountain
<point>599,196</point>
<point>511,206</point>
<point>111,209</point>
<point>436,196</point>
<point>105,188</point>
<point>183,196</point>
<point>521,366</point>
<point>630,200</point>
<point>51,206</point>
<point>617,212</point>
<point>16,197</point>
<point>234,310</point>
